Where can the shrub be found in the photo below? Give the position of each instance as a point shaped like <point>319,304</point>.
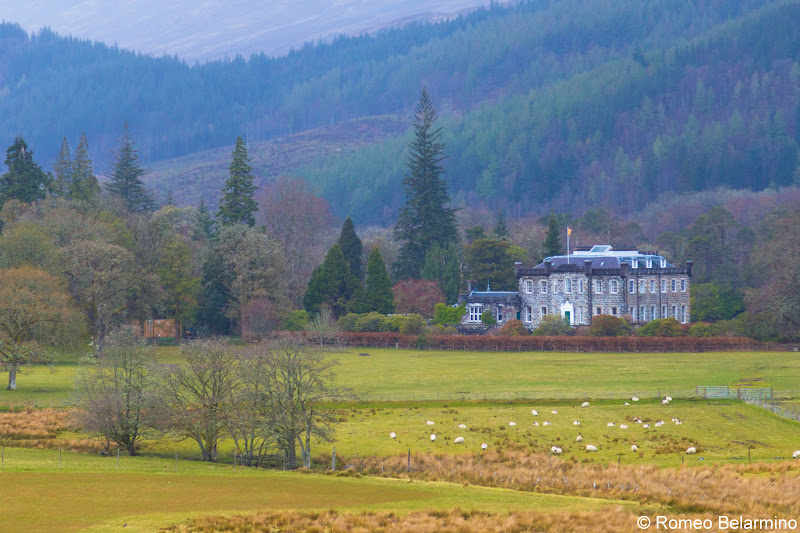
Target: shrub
<point>609,326</point>
<point>487,317</point>
<point>296,320</point>
<point>701,329</point>
<point>347,322</point>
<point>444,314</point>
<point>372,322</point>
<point>412,324</point>
<point>513,328</point>
<point>554,326</point>
<point>441,329</point>
<point>662,327</point>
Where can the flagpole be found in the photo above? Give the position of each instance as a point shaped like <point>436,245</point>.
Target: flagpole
<point>568,232</point>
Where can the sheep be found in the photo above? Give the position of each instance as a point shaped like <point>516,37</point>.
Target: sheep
<point>579,439</point>
<point>459,440</point>
<point>576,423</point>
<point>484,446</point>
<point>512,424</point>
<point>393,435</point>
<point>796,455</point>
<point>433,437</point>
<point>646,426</point>
<point>634,399</point>
<point>546,423</point>
<point>462,426</point>
<point>611,424</point>
<point>691,450</point>
<point>585,404</point>
<point>536,424</point>
<point>534,412</point>
<point>623,426</point>
<point>554,412</point>
<point>431,423</point>
<point>678,423</point>
<point>556,450</point>
<point>591,448</point>
<point>668,398</point>
<point>664,402</point>
<point>674,419</point>
<point>626,403</point>
<point>634,448</point>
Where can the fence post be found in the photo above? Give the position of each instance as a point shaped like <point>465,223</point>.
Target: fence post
<point>333,460</point>
<point>408,467</point>
<point>176,462</point>
<point>117,458</point>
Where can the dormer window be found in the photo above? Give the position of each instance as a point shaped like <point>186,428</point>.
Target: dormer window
<point>663,263</point>
<point>634,263</point>
<point>649,263</point>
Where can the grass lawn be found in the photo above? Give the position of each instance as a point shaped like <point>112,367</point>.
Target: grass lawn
<point>145,493</point>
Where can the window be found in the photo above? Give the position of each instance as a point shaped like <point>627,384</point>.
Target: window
<point>675,312</point>
<point>555,286</point>
<point>613,286</point>
<point>529,286</point>
<point>528,313</point>
<point>475,312</point>
<point>653,312</point>
<point>598,286</point>
<point>643,314</point>
<point>634,263</point>
<point>663,286</point>
<point>543,287</point>
<point>663,311</point>
<point>683,314</point>
<point>632,312</point>
<point>613,311</point>
<point>499,313</point>
<point>642,286</point>
<point>649,263</point>
<point>580,286</point>
<point>568,285</point>
<point>663,263</point>
<point>674,285</point>
<point>631,286</point>
<point>683,285</point>
<point>653,286</point>
<point>598,311</point>
<point>544,311</point>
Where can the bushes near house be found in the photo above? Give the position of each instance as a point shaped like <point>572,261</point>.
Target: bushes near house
<point>609,326</point>
<point>412,324</point>
<point>513,328</point>
<point>487,317</point>
<point>554,326</point>
<point>444,314</point>
<point>296,320</point>
<point>663,327</point>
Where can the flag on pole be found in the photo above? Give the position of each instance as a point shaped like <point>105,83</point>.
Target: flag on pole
<point>569,231</point>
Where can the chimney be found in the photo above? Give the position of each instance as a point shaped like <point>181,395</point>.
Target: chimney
<point>469,287</point>
<point>548,266</point>
<point>587,267</point>
<point>517,267</point>
<point>689,266</point>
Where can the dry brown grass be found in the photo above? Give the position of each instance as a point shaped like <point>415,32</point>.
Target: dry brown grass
<point>612,519</point>
<point>758,489</point>
<point>40,428</point>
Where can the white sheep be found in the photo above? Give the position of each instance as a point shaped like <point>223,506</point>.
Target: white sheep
<point>623,426</point>
<point>796,455</point>
<point>556,450</point>
<point>576,423</point>
<point>579,439</point>
<point>393,435</point>
<point>459,440</point>
<point>512,424</point>
<point>646,426</point>
<point>431,423</point>
<point>678,423</point>
<point>433,437</point>
<point>664,402</point>
<point>546,423</point>
<point>634,399</point>
<point>611,424</point>
<point>591,448</point>
<point>462,426</point>
<point>585,404</point>
<point>674,419</point>
<point>691,450</point>
<point>634,448</point>
<point>534,412</point>
<point>554,412</point>
<point>484,446</point>
<point>626,403</point>
<point>536,423</point>
<point>668,398</point>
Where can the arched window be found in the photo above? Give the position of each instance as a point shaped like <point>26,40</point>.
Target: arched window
<point>567,285</point>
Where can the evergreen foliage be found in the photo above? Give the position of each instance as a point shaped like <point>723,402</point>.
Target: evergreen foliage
<point>447,315</point>
<point>425,219</point>
<point>126,182</point>
<point>332,284</point>
<point>204,227</point>
<point>378,286</point>
<point>552,241</point>
<point>443,265</point>
<point>25,180</point>
<point>83,183</point>
<point>489,261</point>
<point>237,205</point>
<point>62,169</point>
<point>500,229</point>
<point>351,247</point>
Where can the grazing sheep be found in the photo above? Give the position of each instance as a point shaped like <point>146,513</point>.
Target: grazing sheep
<point>546,423</point>
<point>678,423</point>
<point>626,403</point>
<point>512,424</point>
<point>646,426</point>
<point>668,398</point>
<point>393,435</point>
<point>462,426</point>
<point>554,412</point>
<point>634,448</point>
<point>591,448</point>
<point>664,402</point>
<point>623,426</point>
<point>585,404</point>
<point>638,420</point>
<point>579,439</point>
<point>431,423</point>
<point>634,399</point>
<point>484,446</point>
<point>534,412</point>
<point>796,455</point>
<point>433,437</point>
<point>691,450</point>
<point>576,423</point>
<point>536,423</point>
<point>556,450</point>
<point>611,424</point>
<point>459,440</point>
<point>674,419</point>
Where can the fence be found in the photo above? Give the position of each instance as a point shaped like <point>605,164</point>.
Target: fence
<point>736,393</point>
<point>785,411</point>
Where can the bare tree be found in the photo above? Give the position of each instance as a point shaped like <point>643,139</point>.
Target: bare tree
<point>117,392</point>
<point>199,393</point>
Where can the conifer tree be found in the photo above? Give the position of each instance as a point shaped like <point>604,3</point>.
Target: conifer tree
<point>332,283</point>
<point>25,180</point>
<point>443,265</point>
<point>378,286</point>
<point>237,205</point>
<point>126,180</point>
<point>62,169</point>
<point>83,183</point>
<point>351,247</point>
<point>501,230</point>
<point>204,228</point>
<point>425,219</point>
<point>552,241</point>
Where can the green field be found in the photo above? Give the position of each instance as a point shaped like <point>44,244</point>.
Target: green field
<point>146,493</point>
<point>430,375</point>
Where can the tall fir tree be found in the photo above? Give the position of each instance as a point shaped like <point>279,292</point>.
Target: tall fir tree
<point>378,286</point>
<point>237,205</point>
<point>204,227</point>
<point>25,180</point>
<point>333,284</point>
<point>552,244</point>
<point>126,181</point>
<point>500,229</point>
<point>425,219</point>
<point>443,265</point>
<point>83,183</point>
<point>351,247</point>
<point>62,169</point>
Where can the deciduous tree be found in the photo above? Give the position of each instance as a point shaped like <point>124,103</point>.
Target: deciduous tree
<point>418,296</point>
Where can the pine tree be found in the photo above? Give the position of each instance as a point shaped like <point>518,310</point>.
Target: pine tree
<point>552,241</point>
<point>237,205</point>
<point>204,227</point>
<point>378,286</point>
<point>443,265</point>
<point>25,180</point>
<point>83,183</point>
<point>501,230</point>
<point>351,247</point>
<point>62,169</point>
<point>425,219</point>
<point>126,180</point>
<point>332,284</point>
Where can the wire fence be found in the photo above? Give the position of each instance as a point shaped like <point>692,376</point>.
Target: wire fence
<point>792,412</point>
